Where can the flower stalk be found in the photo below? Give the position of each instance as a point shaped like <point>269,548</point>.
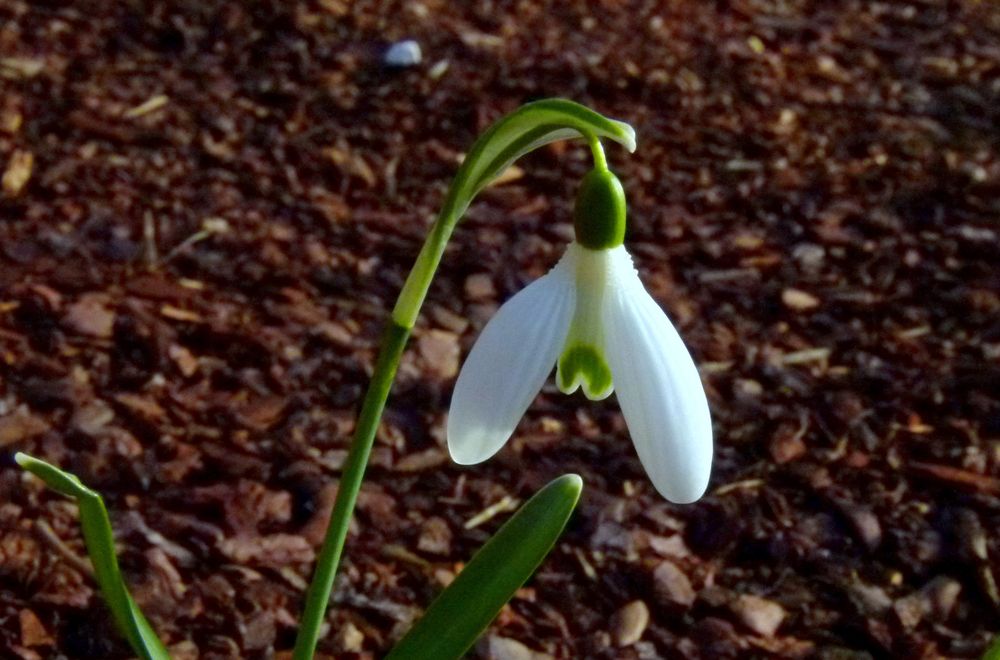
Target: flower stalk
<point>593,319</point>
<point>524,130</point>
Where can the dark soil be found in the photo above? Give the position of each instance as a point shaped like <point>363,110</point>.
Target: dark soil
<point>209,207</point>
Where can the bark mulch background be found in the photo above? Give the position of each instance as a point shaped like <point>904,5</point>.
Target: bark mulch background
<point>208,209</point>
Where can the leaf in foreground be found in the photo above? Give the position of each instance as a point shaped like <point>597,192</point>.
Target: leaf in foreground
<point>467,606</point>
<point>101,547</point>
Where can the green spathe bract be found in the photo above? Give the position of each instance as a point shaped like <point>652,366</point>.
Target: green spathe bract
<point>599,214</point>
<point>463,610</point>
<point>527,128</point>
<point>101,548</point>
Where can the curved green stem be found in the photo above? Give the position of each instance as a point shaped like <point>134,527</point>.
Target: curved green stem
<point>597,151</point>
<point>524,130</point>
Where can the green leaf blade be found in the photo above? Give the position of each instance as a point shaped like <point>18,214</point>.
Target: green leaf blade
<point>100,541</point>
<point>466,607</point>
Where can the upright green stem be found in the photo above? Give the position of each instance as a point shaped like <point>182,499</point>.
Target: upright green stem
<point>524,130</point>
<point>347,492</point>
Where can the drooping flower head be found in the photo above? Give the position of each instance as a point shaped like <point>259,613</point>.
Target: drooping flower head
<point>592,318</point>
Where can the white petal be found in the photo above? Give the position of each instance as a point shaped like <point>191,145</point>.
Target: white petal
<point>659,391</point>
<point>508,364</point>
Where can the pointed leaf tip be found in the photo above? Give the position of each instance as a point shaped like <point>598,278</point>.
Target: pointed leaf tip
<point>465,608</point>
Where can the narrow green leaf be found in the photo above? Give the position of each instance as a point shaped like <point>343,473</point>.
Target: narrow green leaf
<point>101,547</point>
<point>467,606</point>
<point>993,652</point>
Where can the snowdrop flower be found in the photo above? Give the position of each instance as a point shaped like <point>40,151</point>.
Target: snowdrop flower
<point>592,318</point>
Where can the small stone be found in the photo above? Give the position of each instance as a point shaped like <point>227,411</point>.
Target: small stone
<point>440,352</point>
<point>864,523</point>
<point>494,647</point>
<point>258,631</point>
<point>937,598</point>
<point>809,255</point>
<point>670,546</point>
<point>480,287</point>
<point>672,585</point>
<point>629,623</point>
<point>612,536</point>
<point>435,537</point>
<point>449,320</point>
<point>748,389</point>
<point>800,301</point>
<point>716,638</point>
<point>760,615</point>
<point>942,595</point>
<point>186,650</point>
<point>349,639</point>
<point>870,599</point>
<point>910,610</point>
<point>403,54</point>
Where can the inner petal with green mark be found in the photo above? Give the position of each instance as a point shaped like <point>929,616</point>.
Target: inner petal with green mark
<point>582,365</point>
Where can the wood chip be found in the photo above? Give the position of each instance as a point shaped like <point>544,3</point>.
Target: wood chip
<point>506,503</point>
<point>421,460</point>
<point>480,287</point>
<point>958,477</point>
<point>509,175</point>
<point>186,363</point>
<point>263,413</point>
<point>141,405</point>
<point>151,105</point>
<point>440,353</point>
<point>18,172</point>
<point>178,314</point>
<point>271,551</point>
<point>435,537</point>
<point>33,633</point>
<point>799,301</point>
<point>20,426</point>
<point>20,68</point>
<point>91,316</point>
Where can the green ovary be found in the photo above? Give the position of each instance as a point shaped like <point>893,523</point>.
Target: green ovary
<point>583,365</point>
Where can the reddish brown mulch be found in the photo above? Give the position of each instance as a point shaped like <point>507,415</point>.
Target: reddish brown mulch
<point>209,207</point>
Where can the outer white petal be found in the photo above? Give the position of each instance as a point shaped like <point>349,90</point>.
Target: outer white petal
<point>508,365</point>
<point>659,390</point>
